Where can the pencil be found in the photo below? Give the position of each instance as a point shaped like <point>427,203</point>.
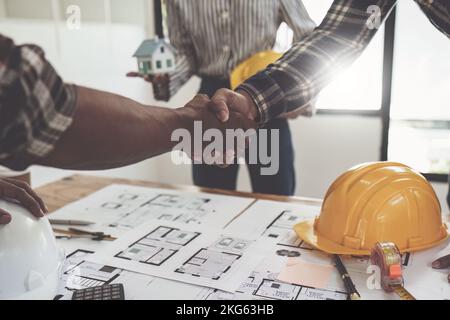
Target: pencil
<point>70,222</point>
<point>349,285</point>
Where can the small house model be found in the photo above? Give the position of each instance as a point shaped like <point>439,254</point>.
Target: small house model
<point>155,56</point>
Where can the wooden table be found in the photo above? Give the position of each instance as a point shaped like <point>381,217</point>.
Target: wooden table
<point>59,193</point>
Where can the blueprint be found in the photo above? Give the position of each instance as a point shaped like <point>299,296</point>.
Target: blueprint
<point>263,283</point>
<point>80,274</point>
<point>187,253</point>
<point>119,208</point>
<point>274,221</point>
<point>252,255</point>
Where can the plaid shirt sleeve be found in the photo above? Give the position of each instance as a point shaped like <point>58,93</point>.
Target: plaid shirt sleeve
<point>36,106</point>
<point>438,12</point>
<point>296,79</point>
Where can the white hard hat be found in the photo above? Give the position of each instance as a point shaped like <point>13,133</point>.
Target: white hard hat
<point>30,261</point>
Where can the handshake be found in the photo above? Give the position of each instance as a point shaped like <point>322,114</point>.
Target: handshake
<point>219,128</point>
<point>227,120</point>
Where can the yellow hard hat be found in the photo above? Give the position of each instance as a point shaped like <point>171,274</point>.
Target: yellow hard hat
<point>376,202</point>
<point>252,66</point>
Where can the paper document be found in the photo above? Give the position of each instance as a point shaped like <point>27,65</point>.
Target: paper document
<point>264,284</point>
<point>80,274</point>
<point>119,208</point>
<point>424,282</point>
<point>273,221</point>
<point>187,253</point>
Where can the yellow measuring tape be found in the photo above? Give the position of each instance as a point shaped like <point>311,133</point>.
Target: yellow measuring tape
<point>403,293</point>
<point>388,258</point>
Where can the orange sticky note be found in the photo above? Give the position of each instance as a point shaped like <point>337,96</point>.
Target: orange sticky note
<point>304,273</point>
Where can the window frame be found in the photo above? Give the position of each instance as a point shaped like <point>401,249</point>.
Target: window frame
<point>388,67</point>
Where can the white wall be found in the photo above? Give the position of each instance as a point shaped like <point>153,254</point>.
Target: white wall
<point>36,9</point>
<point>91,10</point>
<point>2,9</point>
<point>120,11</point>
<point>130,11</point>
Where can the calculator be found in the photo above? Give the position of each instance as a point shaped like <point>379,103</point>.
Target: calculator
<point>105,292</point>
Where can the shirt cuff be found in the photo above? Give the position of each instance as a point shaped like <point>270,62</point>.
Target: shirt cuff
<point>267,95</point>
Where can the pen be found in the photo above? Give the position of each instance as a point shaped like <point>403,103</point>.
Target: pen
<point>70,222</point>
<point>76,233</point>
<point>349,285</point>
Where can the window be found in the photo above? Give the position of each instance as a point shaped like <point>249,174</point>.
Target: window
<point>169,63</point>
<point>162,49</point>
<point>149,65</point>
<point>158,64</point>
<point>419,133</point>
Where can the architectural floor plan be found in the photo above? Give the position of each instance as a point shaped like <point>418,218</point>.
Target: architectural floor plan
<point>187,253</point>
<point>80,274</point>
<point>263,283</point>
<point>280,229</point>
<point>215,261</point>
<point>158,246</point>
<point>207,263</point>
<point>119,208</point>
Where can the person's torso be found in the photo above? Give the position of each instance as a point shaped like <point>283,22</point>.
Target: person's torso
<point>224,33</point>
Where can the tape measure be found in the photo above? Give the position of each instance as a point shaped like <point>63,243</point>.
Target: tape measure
<point>388,258</point>
<point>403,293</point>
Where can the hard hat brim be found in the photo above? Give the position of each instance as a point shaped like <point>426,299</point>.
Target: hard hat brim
<point>305,231</point>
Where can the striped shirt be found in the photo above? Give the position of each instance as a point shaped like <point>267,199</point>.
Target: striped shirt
<point>213,36</point>
<point>295,80</point>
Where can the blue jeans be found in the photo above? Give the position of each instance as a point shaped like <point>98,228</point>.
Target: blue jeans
<point>282,183</point>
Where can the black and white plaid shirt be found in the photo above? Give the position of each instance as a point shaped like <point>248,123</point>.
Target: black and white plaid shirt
<point>296,79</point>
<point>36,106</point>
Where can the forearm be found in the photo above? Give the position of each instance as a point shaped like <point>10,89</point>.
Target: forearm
<point>112,131</point>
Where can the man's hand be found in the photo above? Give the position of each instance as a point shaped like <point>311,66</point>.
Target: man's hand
<point>442,263</point>
<point>198,109</point>
<point>21,192</point>
<point>160,84</point>
<point>225,101</point>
